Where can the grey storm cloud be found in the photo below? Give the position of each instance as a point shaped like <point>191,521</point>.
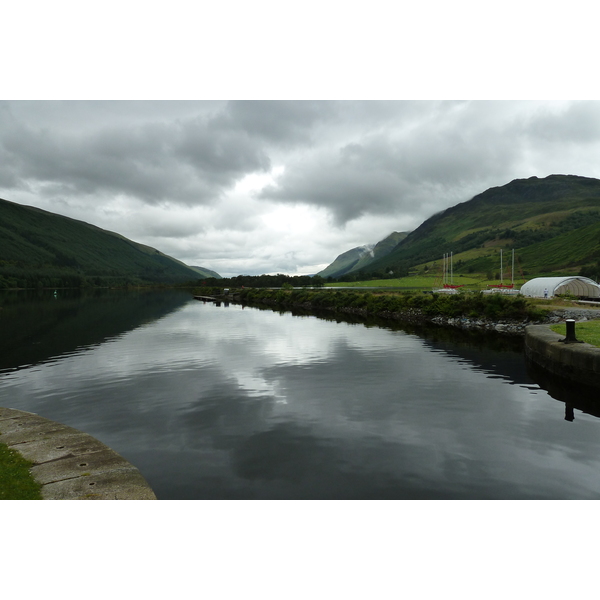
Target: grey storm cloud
<point>275,121</point>
<point>190,161</point>
<point>340,182</point>
<point>399,170</point>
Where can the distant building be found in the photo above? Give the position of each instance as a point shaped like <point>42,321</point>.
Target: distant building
<point>548,287</point>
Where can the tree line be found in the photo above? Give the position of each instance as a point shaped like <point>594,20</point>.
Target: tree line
<point>265,281</point>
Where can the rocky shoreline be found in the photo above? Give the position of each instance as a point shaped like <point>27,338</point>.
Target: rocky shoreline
<point>415,316</point>
<point>511,327</point>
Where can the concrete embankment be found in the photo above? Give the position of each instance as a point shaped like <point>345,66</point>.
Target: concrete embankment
<point>578,362</point>
<point>70,464</point>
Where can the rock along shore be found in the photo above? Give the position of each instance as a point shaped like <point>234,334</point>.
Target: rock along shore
<point>416,316</point>
<point>70,464</point>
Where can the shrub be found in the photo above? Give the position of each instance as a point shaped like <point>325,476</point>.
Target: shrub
<point>472,305</point>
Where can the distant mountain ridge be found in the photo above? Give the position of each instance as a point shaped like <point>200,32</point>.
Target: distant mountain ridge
<point>346,261</point>
<point>361,257</point>
<point>204,272</point>
<point>42,249</point>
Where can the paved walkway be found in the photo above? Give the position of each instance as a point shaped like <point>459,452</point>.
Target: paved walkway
<point>69,464</point>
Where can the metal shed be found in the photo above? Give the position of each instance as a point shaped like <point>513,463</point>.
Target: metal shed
<point>542,287</point>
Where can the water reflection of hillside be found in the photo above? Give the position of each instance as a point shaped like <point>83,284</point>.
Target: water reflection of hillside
<point>496,354</point>
<point>499,356</point>
<point>36,326</point>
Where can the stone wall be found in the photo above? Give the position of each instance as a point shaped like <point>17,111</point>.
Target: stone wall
<point>574,361</point>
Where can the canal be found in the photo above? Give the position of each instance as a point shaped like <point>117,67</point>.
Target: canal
<point>232,402</point>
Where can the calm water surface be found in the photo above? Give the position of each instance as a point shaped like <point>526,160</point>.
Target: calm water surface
<point>229,402</point>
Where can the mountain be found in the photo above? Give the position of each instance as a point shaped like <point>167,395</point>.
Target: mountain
<point>361,257</point>
<point>553,223</point>
<point>204,272</point>
<point>43,249</point>
<point>346,261</point>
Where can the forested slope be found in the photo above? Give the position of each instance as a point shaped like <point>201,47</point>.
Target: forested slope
<point>39,248</point>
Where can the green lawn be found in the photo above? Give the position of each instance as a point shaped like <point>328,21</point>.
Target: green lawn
<point>588,331</point>
<point>16,481</point>
<point>411,282</point>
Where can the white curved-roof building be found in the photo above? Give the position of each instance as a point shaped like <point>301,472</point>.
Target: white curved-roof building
<point>542,287</point>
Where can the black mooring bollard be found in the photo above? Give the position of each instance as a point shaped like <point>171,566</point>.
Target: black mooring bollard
<point>570,339</point>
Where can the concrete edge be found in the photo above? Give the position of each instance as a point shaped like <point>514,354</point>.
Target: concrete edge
<point>578,362</point>
<point>70,464</point>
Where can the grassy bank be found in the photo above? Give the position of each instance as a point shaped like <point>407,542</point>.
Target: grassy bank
<point>588,331</point>
<point>476,282</point>
<point>421,282</point>
<point>16,481</point>
<point>470,305</point>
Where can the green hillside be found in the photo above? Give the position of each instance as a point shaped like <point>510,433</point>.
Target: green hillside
<point>553,224</point>
<point>359,258</point>
<point>345,262</point>
<point>42,249</point>
<point>203,272</point>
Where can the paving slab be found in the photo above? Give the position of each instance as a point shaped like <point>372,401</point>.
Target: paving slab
<point>11,413</point>
<point>18,431</point>
<point>126,484</point>
<point>78,466</point>
<point>68,463</point>
<point>58,444</point>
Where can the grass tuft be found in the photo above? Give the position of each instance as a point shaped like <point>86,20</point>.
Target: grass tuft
<point>16,480</point>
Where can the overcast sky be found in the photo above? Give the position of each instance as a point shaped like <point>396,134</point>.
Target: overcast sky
<point>272,180</point>
<point>251,187</point>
